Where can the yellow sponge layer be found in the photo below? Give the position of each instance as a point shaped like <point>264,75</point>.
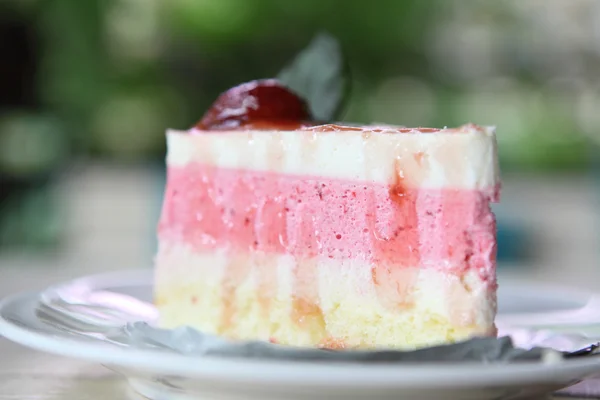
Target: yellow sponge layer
<point>290,322</point>
<point>339,305</point>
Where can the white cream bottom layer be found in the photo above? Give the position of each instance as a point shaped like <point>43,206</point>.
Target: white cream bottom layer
<point>352,309</point>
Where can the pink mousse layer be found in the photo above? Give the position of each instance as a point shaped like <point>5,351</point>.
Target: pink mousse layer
<point>449,229</point>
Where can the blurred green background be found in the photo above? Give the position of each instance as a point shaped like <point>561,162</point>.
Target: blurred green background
<point>89,86</point>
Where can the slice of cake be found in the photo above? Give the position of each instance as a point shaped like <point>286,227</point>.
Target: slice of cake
<point>277,229</point>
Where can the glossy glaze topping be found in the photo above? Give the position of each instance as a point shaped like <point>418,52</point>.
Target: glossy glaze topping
<point>269,105</point>
<point>258,105</point>
<point>368,128</point>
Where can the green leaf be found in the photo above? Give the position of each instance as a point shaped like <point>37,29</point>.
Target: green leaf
<point>319,74</point>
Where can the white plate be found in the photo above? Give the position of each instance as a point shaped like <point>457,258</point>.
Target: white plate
<point>160,374</point>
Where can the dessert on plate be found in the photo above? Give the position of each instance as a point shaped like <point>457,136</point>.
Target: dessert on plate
<point>276,227</point>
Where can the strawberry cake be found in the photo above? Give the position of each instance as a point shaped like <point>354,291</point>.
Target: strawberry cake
<point>275,227</point>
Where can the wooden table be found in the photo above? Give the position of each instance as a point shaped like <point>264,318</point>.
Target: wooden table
<point>28,374</point>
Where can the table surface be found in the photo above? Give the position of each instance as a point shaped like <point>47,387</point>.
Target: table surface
<point>28,374</point>
<point>95,224</point>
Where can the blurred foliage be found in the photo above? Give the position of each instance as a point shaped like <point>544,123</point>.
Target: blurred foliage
<point>116,73</point>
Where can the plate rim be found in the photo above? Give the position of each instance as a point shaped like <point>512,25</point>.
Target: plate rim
<point>283,372</point>
<point>573,316</point>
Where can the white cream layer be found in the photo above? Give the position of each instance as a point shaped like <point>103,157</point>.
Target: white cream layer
<point>461,158</point>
